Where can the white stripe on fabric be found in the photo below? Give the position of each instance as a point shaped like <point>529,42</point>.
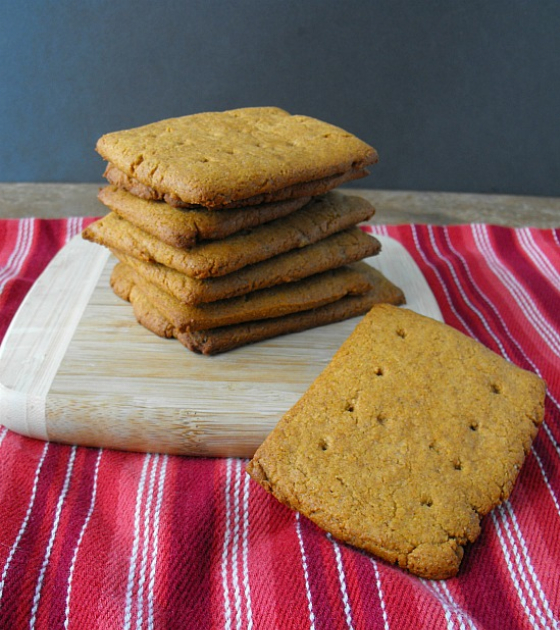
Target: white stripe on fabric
<point>305,573</point>
<point>20,252</point>
<point>135,543</point>
<point>3,434</point>
<point>440,279</point>
<point>25,521</point>
<point>512,571</point>
<point>547,482</point>
<point>245,551</point>
<point>145,545</point>
<point>464,296</point>
<point>342,582</point>
<point>379,229</point>
<point>74,227</point>
<point>532,313</point>
<point>155,545</point>
<point>524,563</point>
<point>490,304</point>
<point>80,538</point>
<point>235,547</point>
<point>225,548</point>
<point>56,522</point>
<point>432,586</point>
<point>542,263</point>
<point>529,564</point>
<point>79,225</point>
<point>381,596</point>
<point>545,426</point>
<point>458,611</point>
<point>70,229</point>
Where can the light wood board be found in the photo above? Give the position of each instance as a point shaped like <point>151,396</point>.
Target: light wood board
<point>75,367</point>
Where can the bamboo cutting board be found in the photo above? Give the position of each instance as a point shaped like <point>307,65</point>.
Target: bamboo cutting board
<point>75,367</point>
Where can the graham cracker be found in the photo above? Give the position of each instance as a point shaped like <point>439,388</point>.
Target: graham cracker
<point>216,158</point>
<point>312,292</point>
<point>297,191</point>
<point>320,218</point>
<point>334,251</point>
<point>406,440</point>
<point>183,228</point>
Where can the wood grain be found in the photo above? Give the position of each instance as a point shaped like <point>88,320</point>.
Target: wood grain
<point>92,376</point>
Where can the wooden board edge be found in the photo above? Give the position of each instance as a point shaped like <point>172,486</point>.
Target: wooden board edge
<point>38,336</point>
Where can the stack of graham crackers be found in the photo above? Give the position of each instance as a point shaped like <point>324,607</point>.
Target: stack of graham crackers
<point>228,231</point>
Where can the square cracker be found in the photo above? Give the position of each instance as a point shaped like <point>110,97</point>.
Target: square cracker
<point>185,227</point>
<point>282,299</point>
<point>297,191</point>
<point>336,250</point>
<point>216,158</point>
<point>410,435</point>
<point>320,218</point>
<point>223,339</point>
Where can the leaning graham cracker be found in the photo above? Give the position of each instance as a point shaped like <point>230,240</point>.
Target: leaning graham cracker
<point>226,338</point>
<point>184,228</point>
<point>280,300</point>
<point>216,158</point>
<point>410,435</point>
<point>320,218</point>
<point>334,251</point>
<point>297,191</point>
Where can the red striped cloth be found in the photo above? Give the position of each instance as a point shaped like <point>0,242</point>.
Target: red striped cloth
<point>101,539</point>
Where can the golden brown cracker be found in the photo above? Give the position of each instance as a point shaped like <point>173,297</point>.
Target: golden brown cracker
<point>297,191</point>
<point>226,338</point>
<point>320,218</point>
<point>334,251</point>
<point>410,435</point>
<point>280,300</point>
<point>215,158</point>
<point>183,228</point>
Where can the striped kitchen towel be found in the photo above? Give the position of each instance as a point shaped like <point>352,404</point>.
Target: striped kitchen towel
<point>92,538</point>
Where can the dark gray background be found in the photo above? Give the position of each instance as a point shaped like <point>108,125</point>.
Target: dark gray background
<point>455,96</point>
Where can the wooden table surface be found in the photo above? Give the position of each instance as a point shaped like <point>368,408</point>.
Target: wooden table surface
<point>393,207</point>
